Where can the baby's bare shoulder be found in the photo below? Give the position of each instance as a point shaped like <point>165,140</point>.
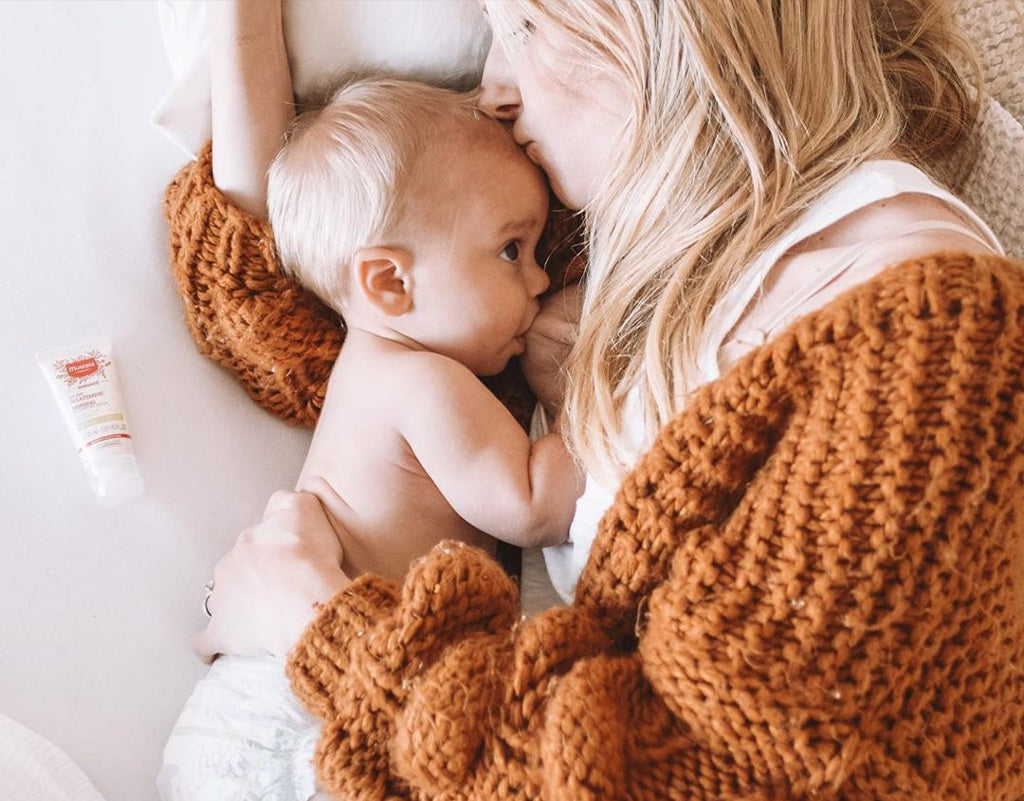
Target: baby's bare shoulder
<point>424,369</point>
<point>433,387</point>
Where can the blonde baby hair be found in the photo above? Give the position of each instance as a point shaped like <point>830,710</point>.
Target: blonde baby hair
<point>339,182</point>
<point>743,112</point>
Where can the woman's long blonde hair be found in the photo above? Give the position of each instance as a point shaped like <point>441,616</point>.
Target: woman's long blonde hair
<point>743,112</point>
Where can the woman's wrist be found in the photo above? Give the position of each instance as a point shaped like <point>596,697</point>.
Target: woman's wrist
<point>317,593</point>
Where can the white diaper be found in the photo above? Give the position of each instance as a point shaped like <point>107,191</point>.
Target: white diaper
<point>242,736</point>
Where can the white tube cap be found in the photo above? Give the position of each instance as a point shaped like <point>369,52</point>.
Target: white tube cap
<point>115,479</point>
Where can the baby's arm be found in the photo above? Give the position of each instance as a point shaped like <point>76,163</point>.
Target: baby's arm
<point>251,93</point>
<point>483,462</point>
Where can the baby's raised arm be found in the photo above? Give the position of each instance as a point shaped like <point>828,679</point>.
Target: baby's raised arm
<point>251,94</point>
<point>482,461</point>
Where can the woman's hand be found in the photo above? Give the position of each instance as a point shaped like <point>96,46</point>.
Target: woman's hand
<point>548,343</point>
<point>268,586</point>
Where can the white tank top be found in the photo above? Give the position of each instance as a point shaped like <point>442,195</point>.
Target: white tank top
<point>872,182</point>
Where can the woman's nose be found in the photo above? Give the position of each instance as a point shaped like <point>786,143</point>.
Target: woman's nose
<point>499,93</point>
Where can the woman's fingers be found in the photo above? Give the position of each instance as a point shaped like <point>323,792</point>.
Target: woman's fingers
<point>280,501</point>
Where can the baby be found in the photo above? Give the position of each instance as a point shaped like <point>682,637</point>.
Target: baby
<point>416,218</point>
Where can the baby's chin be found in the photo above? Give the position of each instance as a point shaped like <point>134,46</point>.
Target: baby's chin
<point>498,364</point>
<point>490,371</point>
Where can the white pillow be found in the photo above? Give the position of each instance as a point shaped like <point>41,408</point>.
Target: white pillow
<point>435,40</point>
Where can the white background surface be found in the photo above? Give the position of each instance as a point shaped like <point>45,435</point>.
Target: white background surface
<point>98,605</point>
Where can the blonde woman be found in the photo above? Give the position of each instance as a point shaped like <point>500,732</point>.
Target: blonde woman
<point>795,384</point>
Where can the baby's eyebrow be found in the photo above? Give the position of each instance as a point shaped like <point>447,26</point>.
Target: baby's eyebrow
<point>518,226</point>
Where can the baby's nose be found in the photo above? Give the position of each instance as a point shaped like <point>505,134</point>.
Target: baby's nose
<point>537,281</point>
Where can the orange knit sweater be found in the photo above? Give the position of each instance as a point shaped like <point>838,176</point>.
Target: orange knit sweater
<point>812,586</point>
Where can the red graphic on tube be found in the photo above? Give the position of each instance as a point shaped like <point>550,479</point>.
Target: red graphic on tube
<point>82,368</point>
<point>106,438</point>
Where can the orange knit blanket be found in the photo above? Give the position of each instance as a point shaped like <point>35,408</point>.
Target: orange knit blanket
<point>810,587</point>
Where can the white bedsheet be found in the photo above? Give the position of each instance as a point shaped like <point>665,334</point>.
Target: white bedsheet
<point>98,604</point>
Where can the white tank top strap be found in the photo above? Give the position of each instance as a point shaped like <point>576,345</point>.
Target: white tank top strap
<point>871,182</point>
<point>847,259</point>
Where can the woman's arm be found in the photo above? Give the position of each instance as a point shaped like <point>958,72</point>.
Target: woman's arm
<point>251,93</point>
<point>242,311</point>
<point>816,562</point>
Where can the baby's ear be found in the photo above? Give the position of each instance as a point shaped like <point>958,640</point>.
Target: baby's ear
<point>382,278</point>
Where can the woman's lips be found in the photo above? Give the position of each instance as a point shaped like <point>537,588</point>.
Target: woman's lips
<point>532,152</point>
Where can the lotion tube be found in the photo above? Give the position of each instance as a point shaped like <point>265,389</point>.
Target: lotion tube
<point>83,379</point>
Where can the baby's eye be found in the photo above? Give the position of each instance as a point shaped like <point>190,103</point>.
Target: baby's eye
<point>511,251</point>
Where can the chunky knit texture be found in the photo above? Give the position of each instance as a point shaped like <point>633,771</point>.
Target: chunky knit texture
<point>242,311</point>
<point>277,338</point>
<point>810,587</point>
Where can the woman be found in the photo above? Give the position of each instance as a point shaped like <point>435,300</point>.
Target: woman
<point>809,580</point>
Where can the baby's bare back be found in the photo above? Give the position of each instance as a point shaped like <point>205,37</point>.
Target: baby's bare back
<point>390,512</point>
